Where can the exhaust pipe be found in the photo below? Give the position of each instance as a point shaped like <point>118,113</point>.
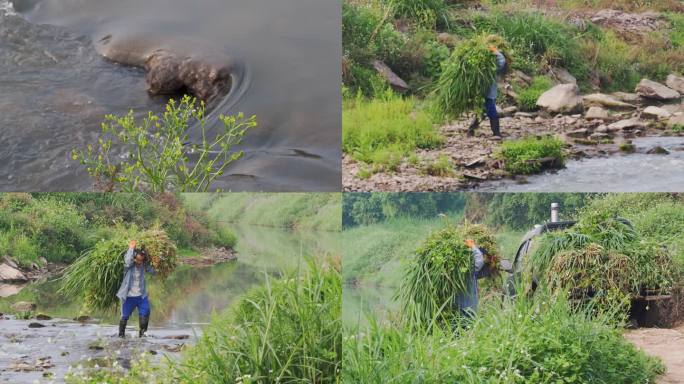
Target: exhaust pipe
<point>554,212</point>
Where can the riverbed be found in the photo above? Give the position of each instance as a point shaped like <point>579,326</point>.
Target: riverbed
<point>55,88</point>
<point>181,306</point>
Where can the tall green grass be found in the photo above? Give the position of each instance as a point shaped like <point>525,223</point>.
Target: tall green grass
<point>528,96</point>
<point>538,340</point>
<point>523,156</point>
<point>382,131</point>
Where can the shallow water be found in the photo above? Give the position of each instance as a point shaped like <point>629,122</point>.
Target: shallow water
<point>638,172</point>
<point>55,88</point>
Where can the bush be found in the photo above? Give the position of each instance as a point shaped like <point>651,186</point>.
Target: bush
<point>528,97</point>
<point>465,78</point>
<point>382,131</point>
<point>287,331</point>
<point>538,340</point>
<point>427,13</point>
<point>523,156</point>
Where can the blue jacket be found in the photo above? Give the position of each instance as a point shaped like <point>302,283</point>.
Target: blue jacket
<point>492,92</point>
<point>129,264</point>
<point>467,301</point>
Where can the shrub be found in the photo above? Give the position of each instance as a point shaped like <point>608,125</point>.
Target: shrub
<point>382,131</point>
<point>528,97</point>
<point>158,150</point>
<point>440,167</point>
<point>286,331</point>
<point>467,75</point>
<point>523,156</point>
<point>427,13</point>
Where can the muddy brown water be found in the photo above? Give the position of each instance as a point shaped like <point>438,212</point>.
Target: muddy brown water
<point>181,305</point>
<point>55,88</point>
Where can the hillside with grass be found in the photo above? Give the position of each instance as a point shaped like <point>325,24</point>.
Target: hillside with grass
<point>580,73</point>
<point>306,211</point>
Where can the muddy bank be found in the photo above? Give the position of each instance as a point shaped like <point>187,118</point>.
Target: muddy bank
<point>667,344</point>
<point>46,350</point>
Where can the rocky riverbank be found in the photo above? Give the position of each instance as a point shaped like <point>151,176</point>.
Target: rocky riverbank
<point>592,126</point>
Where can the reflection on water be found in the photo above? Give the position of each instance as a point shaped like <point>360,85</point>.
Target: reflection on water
<point>54,87</point>
<point>191,295</point>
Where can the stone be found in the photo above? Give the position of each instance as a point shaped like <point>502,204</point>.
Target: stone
<point>578,133</point>
<point>43,317</point>
<point>176,337</point>
<point>36,325</point>
<point>11,274</point>
<point>23,306</point>
<point>597,113</point>
<point>653,112</point>
<point>562,76</point>
<point>603,100</point>
<point>509,111</point>
<point>602,129</point>
<point>652,90</point>
<point>563,98</point>
<point>8,260</point>
<point>676,121</point>
<point>627,97</point>
<point>658,151</point>
<point>527,115</point>
<point>82,318</point>
<point>598,136</point>
<point>627,124</point>
<point>397,83</point>
<point>675,82</point>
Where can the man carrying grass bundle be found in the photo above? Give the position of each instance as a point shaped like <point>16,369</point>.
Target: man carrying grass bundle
<point>492,92</point>
<point>133,293</point>
<point>467,301</point>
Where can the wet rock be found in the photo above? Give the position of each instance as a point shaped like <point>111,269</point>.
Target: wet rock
<point>578,133</point>
<point>23,306</point>
<point>176,337</point>
<point>603,100</point>
<point>653,112</point>
<point>43,317</point>
<point>597,113</point>
<point>627,147</point>
<point>397,83</point>
<point>11,274</point>
<point>658,151</point>
<point>656,91</point>
<point>675,82</point>
<point>627,124</point>
<point>36,325</point>
<point>563,98</point>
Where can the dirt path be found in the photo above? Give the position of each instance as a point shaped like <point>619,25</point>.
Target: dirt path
<point>668,345</point>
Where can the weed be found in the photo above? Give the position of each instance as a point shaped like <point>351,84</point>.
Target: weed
<point>525,156</point>
<point>528,97</point>
<point>440,167</point>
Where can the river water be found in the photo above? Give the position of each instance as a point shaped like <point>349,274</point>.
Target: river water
<point>55,88</point>
<point>181,304</point>
<point>637,172</point>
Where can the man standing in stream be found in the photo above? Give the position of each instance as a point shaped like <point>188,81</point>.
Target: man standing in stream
<point>133,292</point>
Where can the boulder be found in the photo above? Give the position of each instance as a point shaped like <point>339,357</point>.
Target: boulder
<point>392,79</point>
<point>675,82</point>
<point>43,317</point>
<point>597,113</point>
<point>658,150</point>
<point>652,90</point>
<point>627,97</point>
<point>653,112</point>
<point>562,76</point>
<point>627,124</point>
<point>563,98</point>
<point>603,100</point>
<point>36,325</point>
<point>23,306</point>
<point>11,274</point>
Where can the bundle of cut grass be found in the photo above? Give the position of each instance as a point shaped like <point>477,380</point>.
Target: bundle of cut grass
<point>96,275</point>
<point>465,78</point>
<point>440,269</point>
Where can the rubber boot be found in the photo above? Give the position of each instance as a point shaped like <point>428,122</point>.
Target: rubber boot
<point>496,128</point>
<point>144,320</point>
<point>473,126</point>
<point>122,328</point>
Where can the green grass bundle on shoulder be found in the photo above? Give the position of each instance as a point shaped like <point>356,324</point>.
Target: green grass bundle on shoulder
<point>96,276</point>
<point>465,78</point>
<point>440,268</point>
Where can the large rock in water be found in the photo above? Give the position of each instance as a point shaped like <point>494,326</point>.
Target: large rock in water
<point>563,98</point>
<point>652,90</point>
<point>676,83</point>
<point>11,274</point>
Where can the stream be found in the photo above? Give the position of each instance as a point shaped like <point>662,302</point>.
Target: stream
<point>637,172</point>
<point>55,88</point>
<point>181,306</point>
